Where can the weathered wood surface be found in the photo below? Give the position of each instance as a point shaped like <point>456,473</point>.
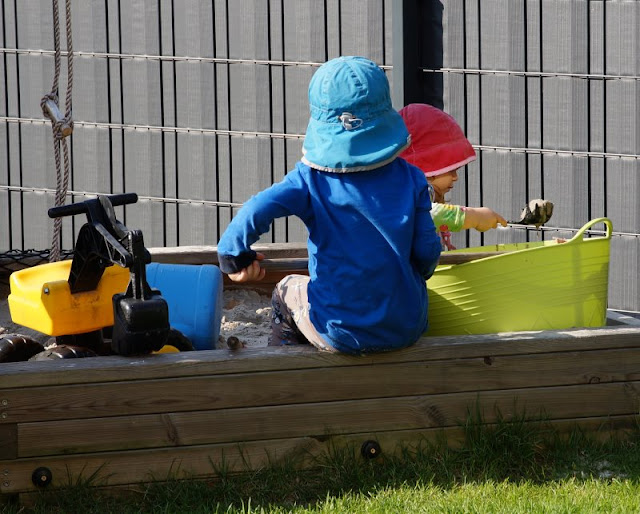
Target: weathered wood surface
<point>281,259</point>
<point>9,441</point>
<point>124,468</point>
<point>306,385</point>
<point>317,420</point>
<point>279,256</point>
<point>134,418</point>
<point>222,362</point>
<point>209,254</point>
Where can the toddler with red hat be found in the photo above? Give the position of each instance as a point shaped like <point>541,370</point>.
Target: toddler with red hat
<point>439,148</point>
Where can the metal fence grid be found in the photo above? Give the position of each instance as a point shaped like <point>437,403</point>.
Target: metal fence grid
<point>196,105</point>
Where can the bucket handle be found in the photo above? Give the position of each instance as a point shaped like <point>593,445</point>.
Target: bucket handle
<point>580,234</point>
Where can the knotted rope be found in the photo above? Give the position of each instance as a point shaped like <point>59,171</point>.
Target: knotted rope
<point>62,126</point>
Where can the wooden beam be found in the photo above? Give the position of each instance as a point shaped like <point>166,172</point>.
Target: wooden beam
<point>318,419</point>
<point>17,375</point>
<point>130,467</point>
<point>8,441</point>
<point>281,256</point>
<point>286,387</point>
<point>397,442</point>
<point>209,254</point>
<point>114,469</point>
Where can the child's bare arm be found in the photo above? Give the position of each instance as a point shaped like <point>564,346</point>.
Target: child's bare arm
<point>251,273</point>
<point>482,219</point>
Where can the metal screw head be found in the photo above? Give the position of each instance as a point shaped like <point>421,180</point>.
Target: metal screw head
<point>5,484</point>
<point>370,449</point>
<point>41,477</point>
<point>46,290</point>
<point>5,402</point>
<point>4,415</point>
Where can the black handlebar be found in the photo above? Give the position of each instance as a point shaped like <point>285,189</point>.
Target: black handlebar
<point>83,207</point>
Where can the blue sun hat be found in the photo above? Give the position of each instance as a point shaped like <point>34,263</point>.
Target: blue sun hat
<point>353,126</point>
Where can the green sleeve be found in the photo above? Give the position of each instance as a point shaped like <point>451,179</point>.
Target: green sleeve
<point>451,216</point>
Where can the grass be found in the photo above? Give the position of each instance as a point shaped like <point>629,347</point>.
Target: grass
<point>510,467</point>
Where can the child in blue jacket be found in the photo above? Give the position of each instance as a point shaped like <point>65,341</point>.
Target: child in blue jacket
<point>372,243</point>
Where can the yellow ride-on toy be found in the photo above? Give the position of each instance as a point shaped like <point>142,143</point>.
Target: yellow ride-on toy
<point>88,300</point>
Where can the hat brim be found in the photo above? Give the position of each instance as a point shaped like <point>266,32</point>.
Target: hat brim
<point>331,147</point>
<point>450,167</point>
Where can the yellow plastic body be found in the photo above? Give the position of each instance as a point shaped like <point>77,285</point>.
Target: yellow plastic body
<point>543,285</point>
<point>40,299</point>
<point>168,348</point>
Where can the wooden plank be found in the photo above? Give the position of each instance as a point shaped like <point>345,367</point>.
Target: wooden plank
<point>8,441</point>
<point>277,255</point>
<point>320,419</point>
<point>220,362</point>
<point>154,465</point>
<point>310,385</point>
<point>599,428</point>
<point>290,257</point>
<point>266,285</point>
<point>300,264</point>
<point>398,441</point>
<point>209,254</point>
<point>282,259</point>
<point>393,442</point>
<point>140,466</point>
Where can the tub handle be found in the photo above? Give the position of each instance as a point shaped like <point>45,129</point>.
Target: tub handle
<point>580,234</point>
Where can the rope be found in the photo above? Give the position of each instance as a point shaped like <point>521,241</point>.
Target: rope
<point>61,126</point>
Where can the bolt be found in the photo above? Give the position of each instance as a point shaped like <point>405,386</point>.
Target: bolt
<point>5,472</point>
<point>46,290</point>
<point>5,484</point>
<point>3,415</point>
<point>5,402</point>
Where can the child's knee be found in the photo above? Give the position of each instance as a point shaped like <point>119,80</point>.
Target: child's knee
<point>283,328</point>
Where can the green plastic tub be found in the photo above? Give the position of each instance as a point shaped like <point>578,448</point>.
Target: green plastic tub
<point>545,285</point>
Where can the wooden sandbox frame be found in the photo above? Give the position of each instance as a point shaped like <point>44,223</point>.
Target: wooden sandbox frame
<point>131,420</point>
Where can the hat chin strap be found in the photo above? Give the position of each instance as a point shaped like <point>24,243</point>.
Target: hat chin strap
<point>349,121</point>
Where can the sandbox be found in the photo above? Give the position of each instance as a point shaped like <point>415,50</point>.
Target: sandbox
<point>128,420</point>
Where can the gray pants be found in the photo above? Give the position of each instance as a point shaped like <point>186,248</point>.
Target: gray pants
<point>290,322</point>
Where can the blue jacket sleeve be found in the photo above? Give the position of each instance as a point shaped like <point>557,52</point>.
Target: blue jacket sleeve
<point>285,198</point>
<point>426,242</point>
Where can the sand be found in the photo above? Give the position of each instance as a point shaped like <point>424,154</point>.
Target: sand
<point>246,314</point>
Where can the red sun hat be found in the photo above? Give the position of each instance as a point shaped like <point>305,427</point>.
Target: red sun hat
<point>438,144</point>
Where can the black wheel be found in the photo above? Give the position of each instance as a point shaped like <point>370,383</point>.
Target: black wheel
<point>370,449</point>
<point>93,341</point>
<point>179,341</point>
<point>41,477</point>
<point>17,348</point>
<point>64,352</point>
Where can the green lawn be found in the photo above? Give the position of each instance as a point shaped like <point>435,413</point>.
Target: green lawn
<point>509,468</point>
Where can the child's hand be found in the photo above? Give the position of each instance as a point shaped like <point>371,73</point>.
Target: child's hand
<point>251,273</point>
<point>482,219</point>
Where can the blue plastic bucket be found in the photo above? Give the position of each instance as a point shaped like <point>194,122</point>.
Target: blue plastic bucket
<point>194,296</point>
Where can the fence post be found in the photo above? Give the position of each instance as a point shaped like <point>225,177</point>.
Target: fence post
<point>417,44</point>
